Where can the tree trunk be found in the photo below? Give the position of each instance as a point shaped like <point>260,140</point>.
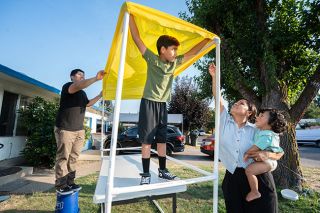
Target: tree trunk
<point>289,174</point>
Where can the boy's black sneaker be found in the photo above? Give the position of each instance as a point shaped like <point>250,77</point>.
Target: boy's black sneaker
<point>64,190</point>
<point>145,178</point>
<point>165,174</point>
<point>75,187</point>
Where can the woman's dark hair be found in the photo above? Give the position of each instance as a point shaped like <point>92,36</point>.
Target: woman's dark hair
<point>166,41</point>
<point>276,120</point>
<point>75,71</point>
<point>253,109</point>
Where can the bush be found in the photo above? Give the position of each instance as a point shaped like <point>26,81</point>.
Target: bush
<point>87,131</point>
<point>39,119</point>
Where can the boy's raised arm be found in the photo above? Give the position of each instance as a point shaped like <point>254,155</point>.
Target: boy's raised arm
<point>194,50</point>
<point>136,36</point>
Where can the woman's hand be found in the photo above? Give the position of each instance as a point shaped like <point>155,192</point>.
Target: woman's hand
<point>261,156</point>
<point>212,69</point>
<point>265,155</point>
<point>246,157</point>
<point>258,155</point>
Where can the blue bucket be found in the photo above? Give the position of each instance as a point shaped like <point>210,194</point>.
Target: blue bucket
<point>67,203</point>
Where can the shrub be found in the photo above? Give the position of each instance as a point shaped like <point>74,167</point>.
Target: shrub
<point>87,131</point>
<point>39,119</point>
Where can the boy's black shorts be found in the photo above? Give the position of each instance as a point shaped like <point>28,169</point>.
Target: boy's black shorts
<point>152,126</point>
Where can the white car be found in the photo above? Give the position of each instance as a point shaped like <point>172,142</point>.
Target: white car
<point>308,136</point>
<point>202,132</point>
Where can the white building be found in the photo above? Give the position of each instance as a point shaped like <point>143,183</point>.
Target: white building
<point>129,119</point>
<point>93,119</point>
<point>16,91</point>
<point>134,118</point>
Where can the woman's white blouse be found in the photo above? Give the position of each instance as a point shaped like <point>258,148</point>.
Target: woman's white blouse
<point>234,142</point>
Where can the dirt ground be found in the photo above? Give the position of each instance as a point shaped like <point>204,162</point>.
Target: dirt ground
<point>312,178</point>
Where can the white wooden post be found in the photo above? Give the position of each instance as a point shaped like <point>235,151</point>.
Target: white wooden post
<point>116,113</point>
<point>102,130</point>
<point>217,127</point>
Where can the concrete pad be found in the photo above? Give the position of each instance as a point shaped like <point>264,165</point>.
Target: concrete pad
<point>43,179</point>
<point>127,169</point>
<point>90,155</point>
<point>12,177</point>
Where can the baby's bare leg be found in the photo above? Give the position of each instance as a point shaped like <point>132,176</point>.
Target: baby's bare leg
<point>252,170</point>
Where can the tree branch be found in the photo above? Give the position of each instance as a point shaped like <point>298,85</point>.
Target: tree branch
<point>247,93</point>
<point>261,25</point>
<point>310,91</point>
<point>240,86</point>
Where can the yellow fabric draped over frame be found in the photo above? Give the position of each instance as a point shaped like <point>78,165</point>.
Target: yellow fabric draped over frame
<point>151,24</point>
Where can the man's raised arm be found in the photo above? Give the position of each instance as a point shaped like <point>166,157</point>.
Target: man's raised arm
<point>77,86</point>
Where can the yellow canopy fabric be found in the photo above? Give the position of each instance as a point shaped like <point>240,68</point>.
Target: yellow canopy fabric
<point>151,24</point>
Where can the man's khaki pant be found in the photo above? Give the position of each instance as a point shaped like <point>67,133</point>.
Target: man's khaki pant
<point>69,145</point>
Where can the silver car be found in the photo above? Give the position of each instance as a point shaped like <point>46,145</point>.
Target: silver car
<point>308,136</point>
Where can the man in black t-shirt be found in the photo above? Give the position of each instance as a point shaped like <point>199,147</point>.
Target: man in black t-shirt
<point>69,132</point>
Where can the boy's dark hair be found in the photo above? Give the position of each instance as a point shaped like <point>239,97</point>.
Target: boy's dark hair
<point>166,41</point>
<point>276,120</point>
<point>253,109</point>
<point>75,71</point>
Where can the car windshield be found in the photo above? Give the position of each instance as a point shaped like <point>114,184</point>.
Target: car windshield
<point>177,130</point>
<point>132,131</point>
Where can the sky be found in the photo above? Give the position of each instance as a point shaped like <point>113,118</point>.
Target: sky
<point>46,39</point>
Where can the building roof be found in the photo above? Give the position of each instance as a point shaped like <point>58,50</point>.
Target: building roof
<point>134,118</point>
<point>18,75</point>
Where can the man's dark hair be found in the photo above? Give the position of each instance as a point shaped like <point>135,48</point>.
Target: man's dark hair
<point>75,71</point>
<point>166,41</point>
<point>276,120</point>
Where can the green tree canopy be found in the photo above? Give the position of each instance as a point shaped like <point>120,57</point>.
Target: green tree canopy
<point>186,101</point>
<point>313,111</point>
<point>317,100</point>
<point>211,123</point>
<point>270,53</point>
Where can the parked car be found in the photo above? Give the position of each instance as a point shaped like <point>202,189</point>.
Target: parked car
<point>194,132</point>
<point>207,145</point>
<point>129,138</point>
<point>308,136</point>
<point>202,132</point>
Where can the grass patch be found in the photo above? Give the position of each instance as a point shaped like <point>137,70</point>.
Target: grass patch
<point>198,198</point>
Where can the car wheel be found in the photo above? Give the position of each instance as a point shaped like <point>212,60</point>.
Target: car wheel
<point>169,151</point>
<point>107,146</point>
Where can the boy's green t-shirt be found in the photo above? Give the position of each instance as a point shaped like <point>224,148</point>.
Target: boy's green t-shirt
<point>159,77</point>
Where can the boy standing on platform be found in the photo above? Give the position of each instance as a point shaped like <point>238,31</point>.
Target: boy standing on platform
<point>152,126</point>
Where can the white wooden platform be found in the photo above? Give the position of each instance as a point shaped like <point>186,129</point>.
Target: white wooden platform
<point>127,169</point>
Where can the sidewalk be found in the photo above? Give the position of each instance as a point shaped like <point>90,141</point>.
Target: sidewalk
<point>42,180</point>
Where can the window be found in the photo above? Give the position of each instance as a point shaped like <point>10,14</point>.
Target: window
<point>8,113</point>
<point>170,131</point>
<point>98,125</point>
<point>21,130</point>
<point>132,132</point>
